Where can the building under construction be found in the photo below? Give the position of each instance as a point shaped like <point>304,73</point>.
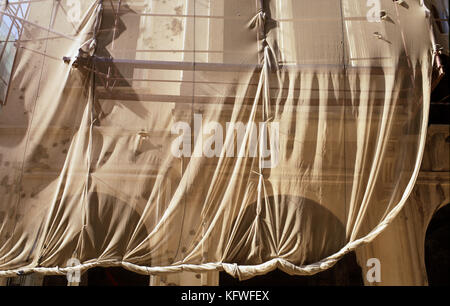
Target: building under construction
<point>210,142</point>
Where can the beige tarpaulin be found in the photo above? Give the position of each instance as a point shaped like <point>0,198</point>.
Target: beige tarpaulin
<point>188,135</point>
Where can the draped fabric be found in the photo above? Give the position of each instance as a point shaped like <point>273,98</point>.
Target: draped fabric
<point>201,135</point>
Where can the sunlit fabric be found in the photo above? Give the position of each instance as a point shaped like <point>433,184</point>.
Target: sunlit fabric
<point>204,135</point>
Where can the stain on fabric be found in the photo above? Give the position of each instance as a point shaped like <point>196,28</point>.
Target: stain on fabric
<point>4,181</point>
<point>39,154</point>
<point>179,10</point>
<point>176,26</point>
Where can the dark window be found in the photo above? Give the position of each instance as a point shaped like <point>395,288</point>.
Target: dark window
<point>116,277</point>
<point>437,248</point>
<point>441,19</point>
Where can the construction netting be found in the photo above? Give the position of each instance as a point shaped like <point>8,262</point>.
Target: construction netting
<point>204,135</point>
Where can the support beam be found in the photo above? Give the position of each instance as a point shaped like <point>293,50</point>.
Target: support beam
<point>225,67</point>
